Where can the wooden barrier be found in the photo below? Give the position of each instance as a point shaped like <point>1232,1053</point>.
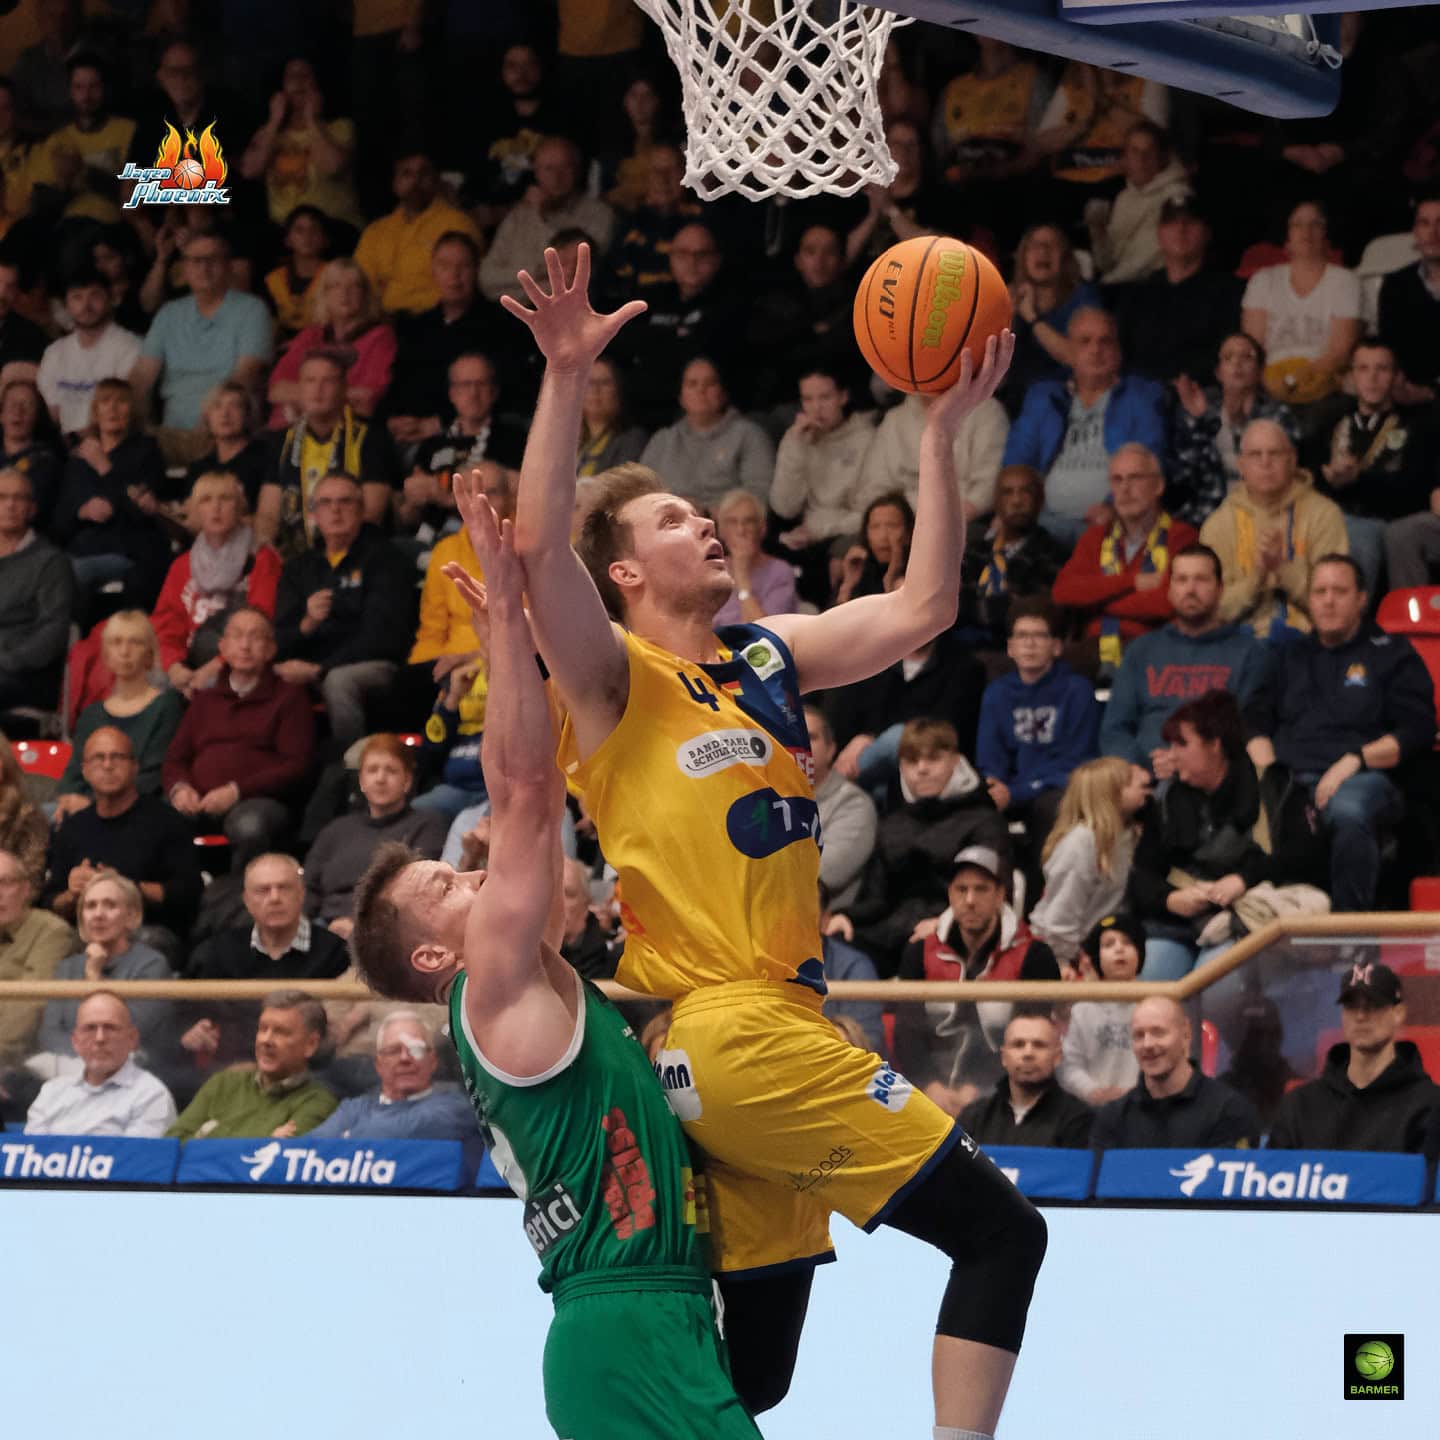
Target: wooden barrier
<point>1384,926</point>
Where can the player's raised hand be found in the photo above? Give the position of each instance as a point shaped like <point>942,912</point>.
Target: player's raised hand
<point>974,387</point>
<point>502,594</point>
<point>569,333</point>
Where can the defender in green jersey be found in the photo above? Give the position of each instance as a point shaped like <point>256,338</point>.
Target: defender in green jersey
<point>579,1124</point>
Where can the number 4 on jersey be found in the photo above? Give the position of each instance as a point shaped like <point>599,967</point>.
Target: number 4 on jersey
<point>697,691</point>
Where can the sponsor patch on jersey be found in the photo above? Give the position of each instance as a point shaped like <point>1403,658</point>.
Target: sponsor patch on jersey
<point>764,659</point>
<point>717,750</point>
<point>676,1075</point>
<point>889,1088</point>
<point>549,1217</point>
<point>764,822</point>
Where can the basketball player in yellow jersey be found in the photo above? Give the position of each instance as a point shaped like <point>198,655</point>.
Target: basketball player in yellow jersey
<point>691,751</point>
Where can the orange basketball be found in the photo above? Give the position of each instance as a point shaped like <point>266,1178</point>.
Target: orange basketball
<point>189,174</point>
<point>921,305</point>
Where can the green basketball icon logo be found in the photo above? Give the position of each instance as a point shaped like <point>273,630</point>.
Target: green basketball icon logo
<point>1374,1360</point>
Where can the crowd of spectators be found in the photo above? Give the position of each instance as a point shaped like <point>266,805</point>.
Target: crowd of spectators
<point>1165,711</point>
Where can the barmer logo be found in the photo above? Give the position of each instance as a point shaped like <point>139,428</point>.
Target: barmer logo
<point>764,659</point>
<point>1245,1180</point>
<point>719,749</point>
<point>1374,1367</point>
<point>304,1166</point>
<point>19,1160</point>
<point>889,1088</point>
<point>676,1075</point>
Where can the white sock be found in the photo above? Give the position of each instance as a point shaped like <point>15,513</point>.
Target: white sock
<point>949,1432</point>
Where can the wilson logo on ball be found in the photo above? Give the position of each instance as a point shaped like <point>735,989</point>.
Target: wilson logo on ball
<point>949,273</point>
<point>921,305</point>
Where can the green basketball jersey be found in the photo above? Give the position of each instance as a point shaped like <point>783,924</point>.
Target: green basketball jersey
<point>591,1147</point>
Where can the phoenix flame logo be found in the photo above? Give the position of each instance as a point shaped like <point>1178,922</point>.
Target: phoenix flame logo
<point>206,152</point>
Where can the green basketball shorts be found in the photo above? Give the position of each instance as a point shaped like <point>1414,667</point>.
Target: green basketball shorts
<point>638,1356</point>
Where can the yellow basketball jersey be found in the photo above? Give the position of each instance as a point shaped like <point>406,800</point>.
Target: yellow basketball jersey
<point>702,800</point>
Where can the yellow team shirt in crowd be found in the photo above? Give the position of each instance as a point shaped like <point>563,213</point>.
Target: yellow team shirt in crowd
<point>1094,156</point>
<point>101,151</point>
<point>446,626</point>
<point>592,28</point>
<point>394,252</point>
<point>985,118</point>
<point>15,166</point>
<point>702,799</point>
<point>292,178</point>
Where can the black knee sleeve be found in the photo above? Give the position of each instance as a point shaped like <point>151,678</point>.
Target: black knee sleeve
<point>993,1234</point>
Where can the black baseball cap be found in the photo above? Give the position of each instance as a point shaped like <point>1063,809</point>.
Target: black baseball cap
<point>1127,924</point>
<point>1183,206</point>
<point>1374,982</point>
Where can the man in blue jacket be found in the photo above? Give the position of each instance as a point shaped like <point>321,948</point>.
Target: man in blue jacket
<point>1178,663</point>
<point>1036,724</point>
<point>1345,707</point>
<point>1068,430</point>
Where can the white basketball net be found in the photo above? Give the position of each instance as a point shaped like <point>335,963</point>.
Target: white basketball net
<point>780,95</point>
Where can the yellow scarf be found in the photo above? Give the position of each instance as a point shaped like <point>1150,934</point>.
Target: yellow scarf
<point>1154,561</point>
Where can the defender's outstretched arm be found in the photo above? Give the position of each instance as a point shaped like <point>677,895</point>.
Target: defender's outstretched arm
<point>581,650</point>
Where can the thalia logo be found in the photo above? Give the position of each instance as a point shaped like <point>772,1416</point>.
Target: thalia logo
<point>262,1159</point>
<point>304,1166</point>
<point>1245,1180</point>
<point>1194,1173</point>
<point>19,1160</point>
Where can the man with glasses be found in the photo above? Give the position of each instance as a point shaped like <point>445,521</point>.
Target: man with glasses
<point>137,835</point>
<point>326,437</point>
<point>476,434</point>
<point>696,314</point>
<point>407,1104</point>
<point>342,609</point>
<point>183,96</point>
<point>111,1095</point>
<point>1119,575</point>
<point>1269,533</point>
<point>199,341</point>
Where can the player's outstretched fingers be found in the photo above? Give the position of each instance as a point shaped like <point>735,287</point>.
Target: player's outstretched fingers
<point>555,271</point>
<point>582,268</point>
<point>472,592</point>
<point>474,508</point>
<point>531,286</point>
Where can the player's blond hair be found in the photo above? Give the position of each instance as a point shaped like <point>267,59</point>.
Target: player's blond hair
<point>604,536</point>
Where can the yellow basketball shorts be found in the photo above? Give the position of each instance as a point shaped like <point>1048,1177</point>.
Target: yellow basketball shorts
<point>793,1122</point>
